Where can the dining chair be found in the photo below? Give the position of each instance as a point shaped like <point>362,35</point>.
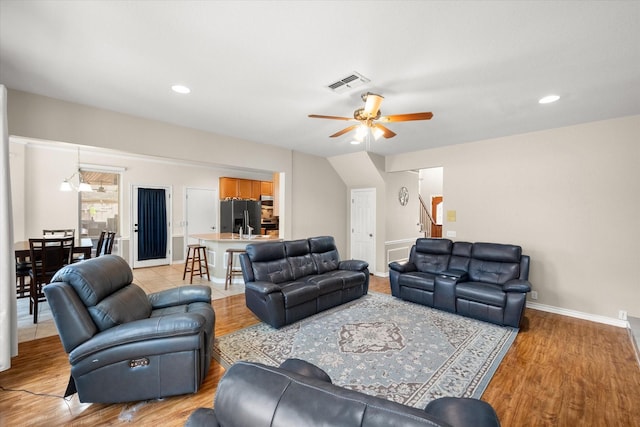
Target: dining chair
<point>108,242</point>
<point>47,255</point>
<point>23,269</point>
<point>100,243</point>
<point>62,232</point>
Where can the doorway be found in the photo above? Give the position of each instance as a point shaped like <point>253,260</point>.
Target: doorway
<point>363,225</point>
<point>151,225</point>
<point>201,213</point>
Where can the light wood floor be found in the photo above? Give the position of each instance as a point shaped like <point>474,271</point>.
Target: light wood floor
<point>559,372</point>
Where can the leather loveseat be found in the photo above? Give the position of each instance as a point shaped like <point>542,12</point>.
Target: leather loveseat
<point>300,394</point>
<point>123,344</point>
<point>288,281</point>
<point>486,281</point>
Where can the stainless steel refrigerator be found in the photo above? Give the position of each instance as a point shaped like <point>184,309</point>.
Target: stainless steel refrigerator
<point>235,214</point>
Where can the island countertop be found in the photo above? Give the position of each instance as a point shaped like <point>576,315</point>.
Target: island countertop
<point>234,237</point>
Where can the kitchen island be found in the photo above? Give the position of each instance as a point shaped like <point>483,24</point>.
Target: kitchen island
<point>217,245</point>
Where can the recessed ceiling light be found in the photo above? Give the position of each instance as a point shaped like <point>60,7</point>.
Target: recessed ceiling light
<point>549,99</point>
<point>355,142</point>
<point>180,89</point>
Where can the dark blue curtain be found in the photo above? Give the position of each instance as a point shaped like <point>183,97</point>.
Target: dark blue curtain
<point>152,224</point>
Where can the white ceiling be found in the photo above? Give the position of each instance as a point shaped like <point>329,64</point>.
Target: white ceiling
<point>258,68</point>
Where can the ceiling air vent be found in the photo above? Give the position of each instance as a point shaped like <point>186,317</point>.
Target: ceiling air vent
<point>347,83</point>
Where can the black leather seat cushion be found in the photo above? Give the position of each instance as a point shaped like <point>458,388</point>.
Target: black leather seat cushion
<point>485,293</point>
<point>418,280</point>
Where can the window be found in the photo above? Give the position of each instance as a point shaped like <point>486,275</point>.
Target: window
<point>100,208</point>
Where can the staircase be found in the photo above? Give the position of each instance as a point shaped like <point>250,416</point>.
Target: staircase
<point>427,225</point>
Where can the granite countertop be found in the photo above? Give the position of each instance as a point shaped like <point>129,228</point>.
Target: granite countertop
<point>229,237</point>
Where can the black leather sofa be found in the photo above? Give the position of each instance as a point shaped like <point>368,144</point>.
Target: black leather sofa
<point>288,281</point>
<point>486,281</point>
<point>300,394</point>
<point>123,344</point>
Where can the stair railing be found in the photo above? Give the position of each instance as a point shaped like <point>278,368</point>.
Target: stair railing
<point>426,220</point>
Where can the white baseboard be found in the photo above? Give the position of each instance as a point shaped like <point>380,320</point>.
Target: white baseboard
<point>579,315</point>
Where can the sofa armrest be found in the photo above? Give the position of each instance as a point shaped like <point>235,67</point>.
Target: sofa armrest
<point>305,368</point>
<point>180,295</point>
<point>402,267</point>
<point>262,287</point>
<point>463,412</point>
<point>353,265</point>
<point>173,325</point>
<point>517,285</point>
<point>202,417</point>
<point>459,275</point>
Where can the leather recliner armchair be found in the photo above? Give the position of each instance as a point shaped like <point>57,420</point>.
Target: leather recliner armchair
<point>301,394</point>
<point>123,344</point>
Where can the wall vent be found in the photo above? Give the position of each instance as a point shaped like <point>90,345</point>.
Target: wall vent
<point>349,82</point>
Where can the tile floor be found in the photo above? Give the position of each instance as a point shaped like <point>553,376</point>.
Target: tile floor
<point>151,279</point>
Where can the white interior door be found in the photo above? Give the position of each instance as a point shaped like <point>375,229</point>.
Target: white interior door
<point>201,213</point>
<point>363,226</point>
<point>135,223</point>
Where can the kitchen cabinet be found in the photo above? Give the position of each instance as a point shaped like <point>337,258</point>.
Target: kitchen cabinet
<point>245,189</point>
<point>239,188</point>
<point>228,188</point>
<point>256,189</point>
<point>266,188</point>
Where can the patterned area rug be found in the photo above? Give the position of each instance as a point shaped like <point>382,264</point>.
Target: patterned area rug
<point>383,346</point>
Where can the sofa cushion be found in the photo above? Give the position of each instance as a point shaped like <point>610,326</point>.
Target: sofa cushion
<point>418,280</point>
<point>327,283</point>
<point>296,293</point>
<point>432,255</point>
<point>493,272</point>
<point>481,292</point>
<point>96,278</point>
<point>496,252</point>
<point>300,259</point>
<point>269,262</point>
<point>125,305</point>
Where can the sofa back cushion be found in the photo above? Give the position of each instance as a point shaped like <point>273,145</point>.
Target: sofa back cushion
<point>125,305</point>
<point>324,253</point>
<point>494,263</point>
<point>96,278</point>
<point>432,255</point>
<point>299,257</point>
<point>269,262</point>
<point>460,256</point>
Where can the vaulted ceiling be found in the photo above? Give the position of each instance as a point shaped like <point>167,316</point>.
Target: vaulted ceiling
<point>256,69</point>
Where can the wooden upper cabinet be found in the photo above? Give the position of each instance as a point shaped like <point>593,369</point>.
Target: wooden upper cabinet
<point>266,188</point>
<point>245,188</point>
<point>228,187</point>
<point>256,190</point>
<point>238,188</point>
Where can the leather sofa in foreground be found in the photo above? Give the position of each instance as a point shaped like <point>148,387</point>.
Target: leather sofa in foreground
<point>288,281</point>
<point>486,281</point>
<point>123,344</point>
<point>301,394</point>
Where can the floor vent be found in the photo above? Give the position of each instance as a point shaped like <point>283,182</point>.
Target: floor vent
<point>347,83</point>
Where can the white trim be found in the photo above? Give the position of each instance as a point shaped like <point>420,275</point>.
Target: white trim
<point>579,315</point>
<point>411,240</point>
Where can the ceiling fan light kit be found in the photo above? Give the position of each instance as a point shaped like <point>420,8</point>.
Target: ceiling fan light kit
<point>369,117</point>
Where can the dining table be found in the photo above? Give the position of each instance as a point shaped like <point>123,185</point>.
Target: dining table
<point>82,246</point>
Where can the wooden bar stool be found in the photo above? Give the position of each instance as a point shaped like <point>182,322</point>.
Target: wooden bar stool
<point>231,271</point>
<point>196,254</point>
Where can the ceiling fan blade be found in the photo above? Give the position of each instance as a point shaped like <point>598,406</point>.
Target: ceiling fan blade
<point>318,116</point>
<point>386,132</point>
<point>372,104</point>
<point>343,131</point>
<point>406,117</point>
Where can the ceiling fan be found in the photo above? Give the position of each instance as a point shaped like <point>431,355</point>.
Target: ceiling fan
<point>370,117</point>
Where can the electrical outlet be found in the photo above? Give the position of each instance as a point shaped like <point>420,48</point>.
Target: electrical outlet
<point>622,315</point>
<point>534,294</point>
